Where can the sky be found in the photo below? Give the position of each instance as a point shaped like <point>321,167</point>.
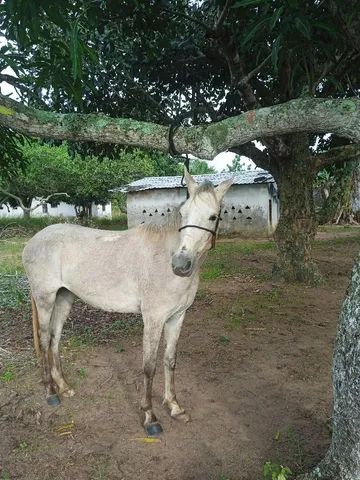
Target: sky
<point>220,162</point>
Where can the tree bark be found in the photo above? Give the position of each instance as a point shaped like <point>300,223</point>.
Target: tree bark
<point>339,116</point>
<point>26,212</point>
<point>342,461</point>
<point>296,229</point>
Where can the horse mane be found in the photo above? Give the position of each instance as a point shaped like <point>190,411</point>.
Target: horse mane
<point>170,223</point>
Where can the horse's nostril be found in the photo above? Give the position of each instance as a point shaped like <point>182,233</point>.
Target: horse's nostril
<point>188,265</point>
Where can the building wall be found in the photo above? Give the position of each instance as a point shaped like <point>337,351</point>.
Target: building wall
<point>61,210</point>
<point>245,211</point>
<point>152,205</point>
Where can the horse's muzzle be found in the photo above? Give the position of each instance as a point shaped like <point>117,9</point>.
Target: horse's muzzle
<point>182,265</point>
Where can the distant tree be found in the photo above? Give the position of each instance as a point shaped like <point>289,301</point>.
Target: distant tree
<point>37,178</point>
<point>200,167</point>
<point>237,165</point>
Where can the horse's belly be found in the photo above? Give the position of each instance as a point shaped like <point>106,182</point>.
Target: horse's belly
<point>125,300</point>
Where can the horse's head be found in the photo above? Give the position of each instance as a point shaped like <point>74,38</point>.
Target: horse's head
<point>199,221</point>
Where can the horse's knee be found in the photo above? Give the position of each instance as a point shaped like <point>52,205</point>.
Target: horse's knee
<point>170,362</point>
<point>149,369</point>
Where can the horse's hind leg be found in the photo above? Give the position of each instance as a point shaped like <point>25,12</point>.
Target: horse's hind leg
<point>62,307</point>
<point>172,330</point>
<point>44,306</point>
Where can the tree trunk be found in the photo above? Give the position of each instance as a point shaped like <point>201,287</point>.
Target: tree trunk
<point>296,229</point>
<point>26,212</point>
<point>342,461</point>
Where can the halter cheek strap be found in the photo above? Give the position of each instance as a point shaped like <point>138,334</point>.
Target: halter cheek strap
<point>213,232</point>
<point>200,228</point>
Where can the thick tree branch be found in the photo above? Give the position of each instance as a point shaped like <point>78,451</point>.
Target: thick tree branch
<point>42,201</point>
<point>15,197</point>
<point>259,157</point>
<point>311,115</point>
<point>337,154</point>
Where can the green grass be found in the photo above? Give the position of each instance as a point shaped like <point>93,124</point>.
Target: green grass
<point>14,288</point>
<point>225,260</point>
<point>10,255</point>
<point>8,374</point>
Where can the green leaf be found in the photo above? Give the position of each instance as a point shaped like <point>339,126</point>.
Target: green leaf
<point>251,34</point>
<point>75,51</point>
<point>245,3</point>
<point>275,17</point>
<point>303,27</point>
<point>275,52</point>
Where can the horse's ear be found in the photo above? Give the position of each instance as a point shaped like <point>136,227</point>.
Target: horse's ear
<point>221,189</point>
<point>190,182</point>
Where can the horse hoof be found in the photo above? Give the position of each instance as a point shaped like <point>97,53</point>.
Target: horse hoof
<point>153,429</point>
<point>53,400</point>
<point>68,393</point>
<point>182,417</point>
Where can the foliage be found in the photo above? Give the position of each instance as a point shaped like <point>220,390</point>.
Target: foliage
<point>51,169</point>
<point>338,180</point>
<point>11,157</point>
<point>273,471</point>
<point>237,165</point>
<point>200,167</point>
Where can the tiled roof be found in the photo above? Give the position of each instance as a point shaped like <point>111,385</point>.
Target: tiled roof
<point>246,177</point>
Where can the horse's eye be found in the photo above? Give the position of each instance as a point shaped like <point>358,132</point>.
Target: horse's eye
<point>213,218</point>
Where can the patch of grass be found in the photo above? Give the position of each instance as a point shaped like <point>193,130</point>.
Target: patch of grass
<point>14,291</point>
<point>339,228</point>
<point>225,260</point>
<point>201,294</point>
<point>119,349</point>
<point>23,445</point>
<point>128,327</point>
<point>82,372</point>
<point>274,471</point>
<point>212,271</point>
<point>100,468</point>
<point>80,341</point>
<point>8,375</point>
<point>246,247</point>
<point>336,242</point>
<point>10,255</point>
<point>240,316</point>
<point>224,339</point>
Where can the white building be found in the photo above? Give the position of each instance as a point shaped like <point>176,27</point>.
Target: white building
<point>61,210</point>
<point>250,207</point>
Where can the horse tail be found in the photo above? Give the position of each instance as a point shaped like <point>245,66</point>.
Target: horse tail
<point>35,324</point>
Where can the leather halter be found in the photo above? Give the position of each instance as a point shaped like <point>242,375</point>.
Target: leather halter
<point>213,232</point>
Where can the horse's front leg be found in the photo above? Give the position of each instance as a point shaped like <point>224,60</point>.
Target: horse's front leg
<point>171,335</point>
<point>151,339</point>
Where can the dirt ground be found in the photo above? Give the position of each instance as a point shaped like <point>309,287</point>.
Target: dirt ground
<point>254,372</point>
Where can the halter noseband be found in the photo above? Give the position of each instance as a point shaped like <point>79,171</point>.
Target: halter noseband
<point>213,232</point>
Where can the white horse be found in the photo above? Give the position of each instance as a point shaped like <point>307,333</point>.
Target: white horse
<point>149,269</point>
